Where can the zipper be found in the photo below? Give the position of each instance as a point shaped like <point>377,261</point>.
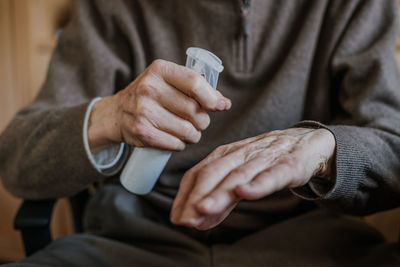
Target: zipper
<point>244,34</point>
<point>245,19</point>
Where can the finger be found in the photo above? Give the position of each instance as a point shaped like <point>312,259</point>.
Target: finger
<point>272,180</point>
<point>226,158</point>
<point>211,165</point>
<point>166,121</point>
<point>190,83</point>
<point>228,102</point>
<point>183,106</point>
<point>255,161</point>
<point>207,179</point>
<point>185,187</point>
<point>211,221</point>
<point>223,196</point>
<point>144,134</point>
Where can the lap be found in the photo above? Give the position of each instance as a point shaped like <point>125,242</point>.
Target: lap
<point>318,238</point>
<point>125,231</point>
<point>90,250</point>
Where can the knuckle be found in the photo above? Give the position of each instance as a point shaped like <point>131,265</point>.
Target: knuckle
<point>190,133</point>
<point>275,133</point>
<point>194,78</point>
<point>207,121</point>
<point>157,65</point>
<point>198,137</point>
<point>291,163</point>
<point>149,138</point>
<point>181,148</point>
<point>145,79</point>
<point>269,185</point>
<point>286,170</point>
<point>143,89</point>
<point>173,219</point>
<point>270,139</point>
<point>286,160</point>
<point>196,114</point>
<point>143,111</point>
<point>191,108</point>
<point>127,105</point>
<point>195,137</point>
<point>239,173</point>
<point>205,173</point>
<point>195,83</point>
<point>137,129</point>
<point>221,149</point>
<point>198,84</point>
<point>283,141</point>
<point>178,146</point>
<point>189,174</point>
<point>280,141</point>
<point>248,153</point>
<point>186,129</point>
<point>140,130</point>
<point>211,102</point>
<point>203,121</point>
<point>298,167</point>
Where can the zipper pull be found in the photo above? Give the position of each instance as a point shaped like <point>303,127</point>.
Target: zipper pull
<point>245,7</point>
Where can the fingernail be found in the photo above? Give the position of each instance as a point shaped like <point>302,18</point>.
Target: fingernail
<point>220,105</point>
<point>207,203</point>
<point>172,218</point>
<point>181,146</point>
<point>188,221</point>
<point>228,104</point>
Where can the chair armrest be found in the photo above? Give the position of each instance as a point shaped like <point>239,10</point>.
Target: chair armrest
<point>34,213</point>
<point>34,216</point>
<point>33,220</point>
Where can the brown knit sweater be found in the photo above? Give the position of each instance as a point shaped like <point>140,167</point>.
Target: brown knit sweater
<point>326,63</point>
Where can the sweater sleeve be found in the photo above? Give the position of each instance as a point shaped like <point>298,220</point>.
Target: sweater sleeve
<point>42,154</point>
<point>367,124</point>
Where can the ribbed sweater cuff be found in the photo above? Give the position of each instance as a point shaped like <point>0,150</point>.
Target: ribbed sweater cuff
<point>350,166</point>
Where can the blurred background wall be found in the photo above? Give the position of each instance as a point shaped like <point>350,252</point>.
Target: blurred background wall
<point>27,37</point>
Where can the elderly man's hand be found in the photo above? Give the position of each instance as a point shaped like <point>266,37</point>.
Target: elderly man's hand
<point>251,169</point>
<point>165,107</point>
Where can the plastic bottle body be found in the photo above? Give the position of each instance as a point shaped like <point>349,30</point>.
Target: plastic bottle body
<point>145,165</point>
<point>143,168</point>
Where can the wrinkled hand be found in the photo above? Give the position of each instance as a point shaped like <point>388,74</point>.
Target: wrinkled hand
<point>164,107</point>
<point>251,169</point>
